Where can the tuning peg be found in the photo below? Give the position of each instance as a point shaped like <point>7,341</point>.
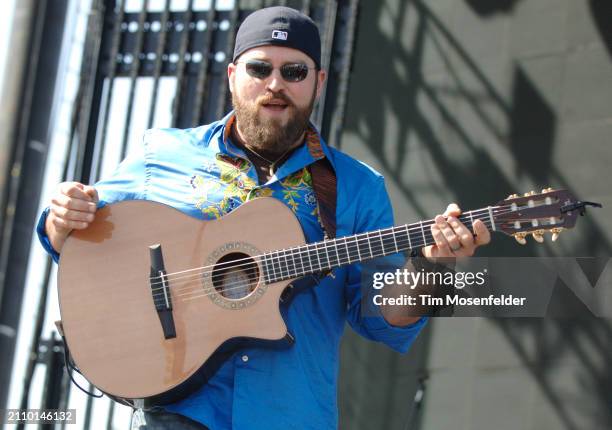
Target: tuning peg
<point>547,190</point>
<point>513,196</point>
<point>530,193</point>
<point>520,238</point>
<point>538,236</point>
<point>555,233</point>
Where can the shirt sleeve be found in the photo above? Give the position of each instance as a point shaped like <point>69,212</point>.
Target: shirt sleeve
<point>127,182</point>
<point>42,235</point>
<point>376,213</point>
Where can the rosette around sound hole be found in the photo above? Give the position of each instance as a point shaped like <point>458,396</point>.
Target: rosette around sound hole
<point>235,275</point>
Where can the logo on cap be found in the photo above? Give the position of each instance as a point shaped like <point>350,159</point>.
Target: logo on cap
<point>280,35</point>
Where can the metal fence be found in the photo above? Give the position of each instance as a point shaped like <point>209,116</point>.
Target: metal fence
<point>139,69</point>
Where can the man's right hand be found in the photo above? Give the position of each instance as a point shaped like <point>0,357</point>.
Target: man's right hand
<point>72,207</point>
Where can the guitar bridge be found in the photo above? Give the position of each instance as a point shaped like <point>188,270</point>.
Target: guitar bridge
<point>160,291</point>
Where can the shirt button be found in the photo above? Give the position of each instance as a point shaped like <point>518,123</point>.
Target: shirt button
<point>245,358</point>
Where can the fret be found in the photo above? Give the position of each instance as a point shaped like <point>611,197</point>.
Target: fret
<point>340,252</point>
<point>394,240</point>
<point>365,244</point>
<point>369,245</point>
<point>269,268</point>
<point>491,217</point>
<point>290,253</point>
<point>327,253</point>
<point>358,250</point>
<point>266,272</point>
<point>318,257</point>
<point>293,261</point>
<point>382,242</point>
<point>471,218</point>
<point>389,242</point>
<point>290,262</point>
<point>423,233</point>
<point>337,253</point>
<point>397,239</point>
<point>328,263</point>
<point>310,268</point>
<point>301,259</point>
<point>408,234</point>
<point>277,265</point>
<point>286,268</point>
<point>271,265</point>
<point>348,253</point>
<point>332,253</point>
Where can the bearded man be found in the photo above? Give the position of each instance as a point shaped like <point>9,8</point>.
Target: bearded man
<point>266,147</point>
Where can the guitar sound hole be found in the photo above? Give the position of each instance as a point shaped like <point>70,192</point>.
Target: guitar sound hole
<point>235,275</point>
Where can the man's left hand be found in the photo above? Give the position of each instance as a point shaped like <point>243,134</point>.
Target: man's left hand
<point>453,239</point>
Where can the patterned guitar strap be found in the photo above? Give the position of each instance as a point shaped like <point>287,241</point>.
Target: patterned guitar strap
<point>324,183</point>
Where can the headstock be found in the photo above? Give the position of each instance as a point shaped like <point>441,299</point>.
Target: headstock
<point>537,213</point>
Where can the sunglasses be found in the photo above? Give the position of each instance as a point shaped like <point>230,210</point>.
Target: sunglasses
<point>291,72</point>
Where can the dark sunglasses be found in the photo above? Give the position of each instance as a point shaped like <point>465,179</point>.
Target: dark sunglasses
<point>291,72</point>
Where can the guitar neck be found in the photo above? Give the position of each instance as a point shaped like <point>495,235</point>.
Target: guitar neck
<point>328,254</point>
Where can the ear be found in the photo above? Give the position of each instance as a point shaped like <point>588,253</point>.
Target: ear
<point>231,75</point>
<point>321,78</point>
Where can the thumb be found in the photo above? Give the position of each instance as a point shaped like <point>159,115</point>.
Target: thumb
<point>452,210</point>
<point>91,191</point>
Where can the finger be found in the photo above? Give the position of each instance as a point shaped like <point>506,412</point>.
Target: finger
<point>452,210</point>
<point>65,224</point>
<point>463,234</point>
<point>442,248</point>
<point>74,189</point>
<point>73,203</point>
<point>449,235</point>
<point>71,215</point>
<point>483,236</point>
<point>428,251</point>
<point>92,192</point>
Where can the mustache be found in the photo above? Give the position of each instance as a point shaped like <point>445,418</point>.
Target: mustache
<point>270,97</point>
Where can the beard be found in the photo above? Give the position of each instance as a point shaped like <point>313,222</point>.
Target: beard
<point>269,134</point>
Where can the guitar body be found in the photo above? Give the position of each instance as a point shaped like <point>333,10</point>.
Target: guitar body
<point>108,308</point>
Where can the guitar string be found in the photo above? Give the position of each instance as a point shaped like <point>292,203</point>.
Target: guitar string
<point>350,248</point>
<point>229,287</point>
<point>197,292</point>
<point>416,228</point>
<point>393,231</point>
<point>370,239</point>
<point>330,244</point>
<point>353,245</point>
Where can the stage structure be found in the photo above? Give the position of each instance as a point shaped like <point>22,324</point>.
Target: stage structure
<point>179,57</point>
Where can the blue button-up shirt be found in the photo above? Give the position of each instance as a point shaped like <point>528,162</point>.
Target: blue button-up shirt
<point>200,172</point>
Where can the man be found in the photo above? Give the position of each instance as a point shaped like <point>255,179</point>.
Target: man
<point>265,148</point>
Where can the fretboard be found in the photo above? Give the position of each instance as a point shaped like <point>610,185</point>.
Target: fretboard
<point>329,254</point>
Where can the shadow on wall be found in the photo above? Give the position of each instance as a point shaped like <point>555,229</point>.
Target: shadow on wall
<point>525,125</point>
<point>389,79</point>
<point>486,8</point>
<point>601,11</point>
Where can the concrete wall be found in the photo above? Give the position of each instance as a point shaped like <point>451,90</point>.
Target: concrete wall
<point>470,101</point>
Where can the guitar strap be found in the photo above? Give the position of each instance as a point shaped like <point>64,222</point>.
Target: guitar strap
<point>324,183</point>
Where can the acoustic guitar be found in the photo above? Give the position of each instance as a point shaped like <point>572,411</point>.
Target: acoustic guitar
<point>152,300</point>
